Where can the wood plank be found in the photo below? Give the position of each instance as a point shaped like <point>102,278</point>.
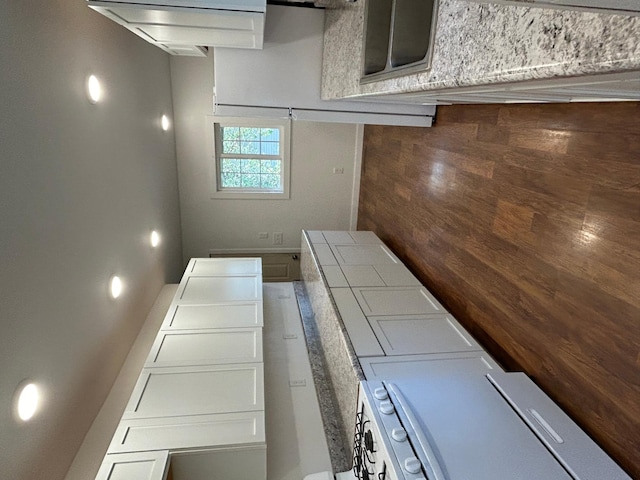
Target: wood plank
<point>524,222</point>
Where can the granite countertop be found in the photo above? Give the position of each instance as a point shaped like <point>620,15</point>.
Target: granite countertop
<point>483,43</point>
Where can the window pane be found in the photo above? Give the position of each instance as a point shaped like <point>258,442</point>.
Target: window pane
<point>230,146</point>
<point>251,180</point>
<point>249,148</point>
<point>230,165</point>
<point>230,133</point>
<point>270,134</point>
<point>270,148</point>
<point>250,166</point>
<point>270,181</point>
<point>249,134</point>
<point>270,166</point>
<point>231,180</point>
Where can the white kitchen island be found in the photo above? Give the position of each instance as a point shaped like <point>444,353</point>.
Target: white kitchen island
<point>198,406</point>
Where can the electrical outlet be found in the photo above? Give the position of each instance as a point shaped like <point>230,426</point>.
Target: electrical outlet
<point>289,336</point>
<point>263,235</point>
<point>338,170</point>
<point>277,238</point>
<point>298,383</point>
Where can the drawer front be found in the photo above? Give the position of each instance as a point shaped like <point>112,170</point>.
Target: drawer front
<point>221,315</point>
<point>397,301</point>
<point>422,334</point>
<point>198,431</point>
<point>213,289</point>
<point>206,347</point>
<point>174,391</point>
<point>138,465</point>
<point>224,266</point>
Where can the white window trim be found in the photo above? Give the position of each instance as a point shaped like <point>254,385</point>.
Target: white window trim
<point>285,143</point>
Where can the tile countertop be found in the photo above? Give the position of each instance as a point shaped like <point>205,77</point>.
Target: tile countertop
<point>480,44</point>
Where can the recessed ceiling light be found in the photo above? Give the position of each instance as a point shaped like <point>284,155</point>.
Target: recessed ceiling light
<point>165,123</point>
<point>115,286</point>
<point>27,401</point>
<point>94,90</point>
<point>155,239</point>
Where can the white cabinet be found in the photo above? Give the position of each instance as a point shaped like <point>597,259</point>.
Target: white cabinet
<point>215,289</point>
<point>362,254</point>
<point>362,276</point>
<point>362,337</point>
<point>189,432</point>
<point>224,266</point>
<point>198,390</point>
<point>134,466</point>
<point>219,315</point>
<point>324,254</point>
<point>199,401</point>
<point>206,347</point>
<point>179,26</point>
<point>382,368</point>
<point>401,335</point>
<point>334,276</point>
<point>377,301</point>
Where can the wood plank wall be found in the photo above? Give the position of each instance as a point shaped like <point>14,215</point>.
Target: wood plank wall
<point>524,221</point>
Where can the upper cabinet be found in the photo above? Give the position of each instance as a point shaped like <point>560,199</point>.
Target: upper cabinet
<point>186,27</point>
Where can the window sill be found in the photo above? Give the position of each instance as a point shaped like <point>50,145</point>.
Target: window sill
<point>250,195</point>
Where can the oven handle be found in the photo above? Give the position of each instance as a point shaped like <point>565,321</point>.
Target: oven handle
<point>438,474</point>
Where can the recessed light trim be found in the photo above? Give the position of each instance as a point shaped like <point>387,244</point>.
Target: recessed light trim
<point>154,239</point>
<point>27,401</point>
<point>115,286</point>
<point>164,122</point>
<point>94,89</point>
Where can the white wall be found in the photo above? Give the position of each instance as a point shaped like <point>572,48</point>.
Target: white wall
<point>81,187</point>
<point>319,199</point>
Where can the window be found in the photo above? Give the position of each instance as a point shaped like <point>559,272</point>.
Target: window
<point>251,158</point>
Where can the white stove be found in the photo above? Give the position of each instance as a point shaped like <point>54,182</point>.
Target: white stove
<point>470,427</point>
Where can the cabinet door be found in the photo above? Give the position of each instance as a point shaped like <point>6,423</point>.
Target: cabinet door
<point>195,431</point>
<point>221,464</point>
<point>224,266</point>
<point>220,315</point>
<point>134,466</point>
<point>213,289</point>
<point>360,334</point>
<point>376,301</point>
<point>206,347</point>
<point>175,391</point>
<point>176,25</point>
<point>363,254</point>
<point>402,366</point>
<point>422,334</point>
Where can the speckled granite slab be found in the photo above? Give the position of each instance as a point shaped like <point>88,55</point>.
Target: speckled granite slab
<point>483,43</point>
<point>341,366</point>
<point>339,453</point>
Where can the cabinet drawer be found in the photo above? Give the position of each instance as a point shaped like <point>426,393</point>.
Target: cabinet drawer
<point>401,366</point>
<point>362,337</point>
<point>422,334</point>
<point>224,266</point>
<point>138,465</point>
<point>174,391</point>
<point>363,254</point>
<point>397,301</point>
<point>214,289</point>
<point>206,347</point>
<point>221,315</point>
<point>196,431</point>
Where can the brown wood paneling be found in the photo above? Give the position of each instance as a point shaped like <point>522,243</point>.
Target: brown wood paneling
<point>524,221</point>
